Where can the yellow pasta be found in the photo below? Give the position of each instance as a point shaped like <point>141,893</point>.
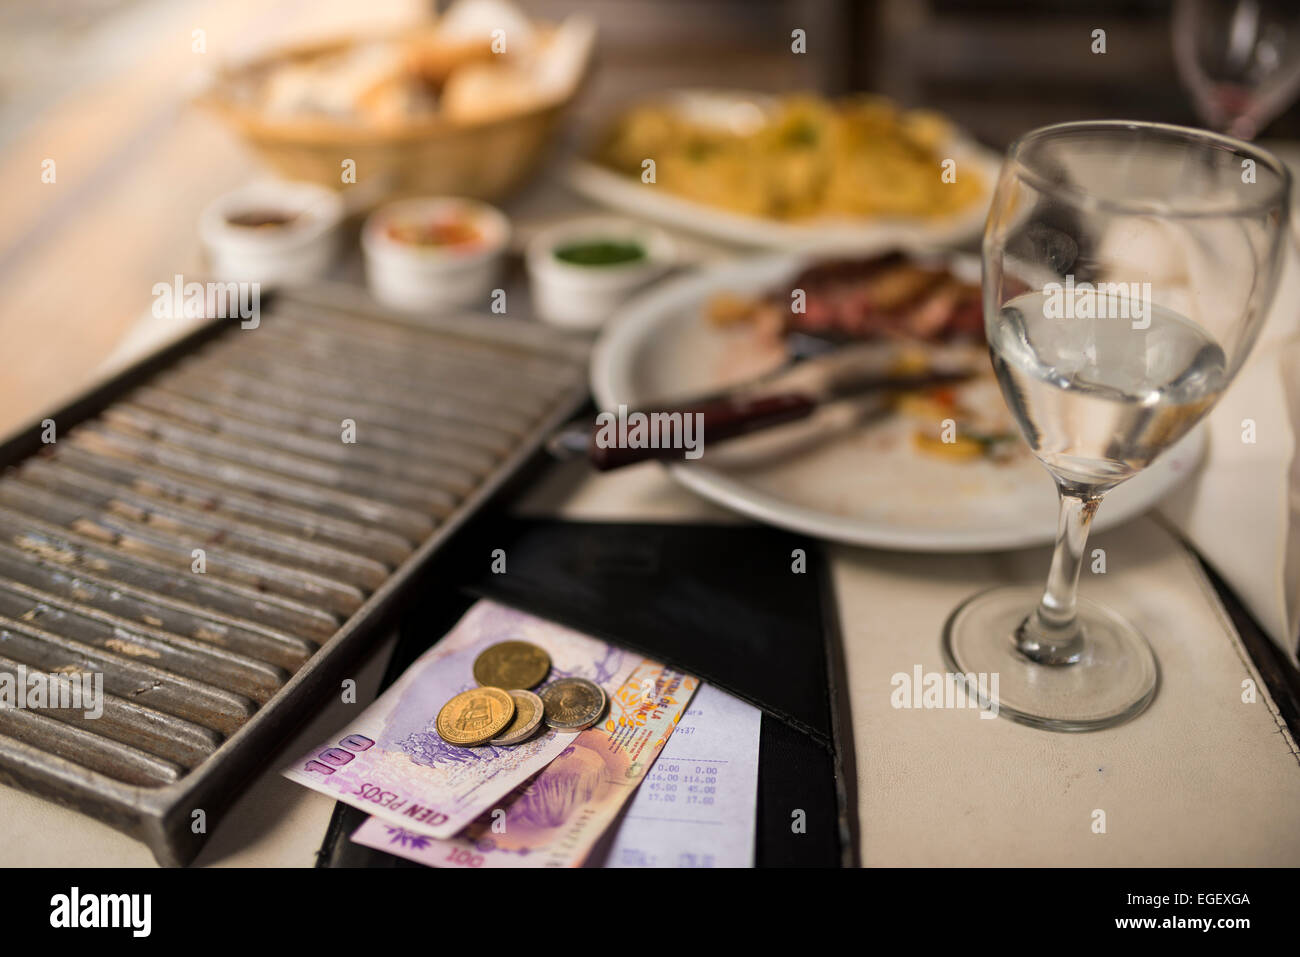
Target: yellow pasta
<point>859,157</point>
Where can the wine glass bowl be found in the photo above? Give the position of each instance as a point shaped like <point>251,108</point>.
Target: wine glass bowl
<point>1239,59</point>
<point>1128,269</point>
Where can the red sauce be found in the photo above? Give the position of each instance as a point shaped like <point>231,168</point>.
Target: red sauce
<point>440,232</point>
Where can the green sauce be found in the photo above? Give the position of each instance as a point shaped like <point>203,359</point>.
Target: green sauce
<point>602,252</point>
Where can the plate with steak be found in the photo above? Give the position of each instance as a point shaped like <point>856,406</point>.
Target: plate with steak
<point>942,468</point>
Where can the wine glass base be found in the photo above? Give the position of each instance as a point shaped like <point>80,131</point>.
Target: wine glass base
<point>1113,681</point>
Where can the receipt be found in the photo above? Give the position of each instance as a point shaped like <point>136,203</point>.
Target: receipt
<point>698,805</point>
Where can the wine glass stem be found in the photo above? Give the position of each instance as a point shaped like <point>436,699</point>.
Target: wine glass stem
<point>1051,634</point>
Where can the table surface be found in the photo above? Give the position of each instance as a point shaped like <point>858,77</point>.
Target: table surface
<point>1203,777</point>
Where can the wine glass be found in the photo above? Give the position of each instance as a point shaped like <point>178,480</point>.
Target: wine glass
<point>1240,59</point>
<point>1128,268</point>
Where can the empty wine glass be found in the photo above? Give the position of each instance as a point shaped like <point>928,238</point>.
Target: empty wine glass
<point>1240,59</point>
<point>1128,268</point>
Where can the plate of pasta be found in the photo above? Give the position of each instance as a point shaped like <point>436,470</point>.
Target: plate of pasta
<point>797,171</point>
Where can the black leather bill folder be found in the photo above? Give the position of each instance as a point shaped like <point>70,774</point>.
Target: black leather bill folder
<point>746,608</point>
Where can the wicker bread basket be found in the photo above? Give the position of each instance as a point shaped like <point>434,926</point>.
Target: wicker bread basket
<point>435,155</point>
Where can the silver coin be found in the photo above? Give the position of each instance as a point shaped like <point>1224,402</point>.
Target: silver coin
<point>528,715</point>
<point>572,704</point>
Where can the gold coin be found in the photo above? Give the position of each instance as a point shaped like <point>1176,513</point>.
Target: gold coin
<point>528,715</point>
<point>572,704</point>
<point>475,716</point>
<point>512,664</point>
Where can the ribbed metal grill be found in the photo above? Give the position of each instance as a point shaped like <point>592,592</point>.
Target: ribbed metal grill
<point>238,449</point>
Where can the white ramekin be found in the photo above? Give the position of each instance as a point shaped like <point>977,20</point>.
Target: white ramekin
<point>297,252</point>
<point>427,279</point>
<point>583,297</point>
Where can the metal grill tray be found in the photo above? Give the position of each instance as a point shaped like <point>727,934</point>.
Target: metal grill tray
<point>231,441</point>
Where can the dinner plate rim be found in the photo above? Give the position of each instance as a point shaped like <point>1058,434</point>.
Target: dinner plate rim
<point>617,344</point>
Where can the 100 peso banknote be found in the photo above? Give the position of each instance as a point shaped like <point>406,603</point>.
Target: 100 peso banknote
<point>391,762</point>
<point>555,819</point>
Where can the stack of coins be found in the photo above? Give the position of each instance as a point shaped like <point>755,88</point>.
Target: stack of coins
<point>503,711</point>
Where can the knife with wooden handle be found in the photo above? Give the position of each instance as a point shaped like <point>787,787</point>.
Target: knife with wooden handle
<point>719,420</point>
<point>773,401</point>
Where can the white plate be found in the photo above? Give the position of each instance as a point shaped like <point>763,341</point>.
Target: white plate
<point>865,486</point>
<point>636,198</point>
